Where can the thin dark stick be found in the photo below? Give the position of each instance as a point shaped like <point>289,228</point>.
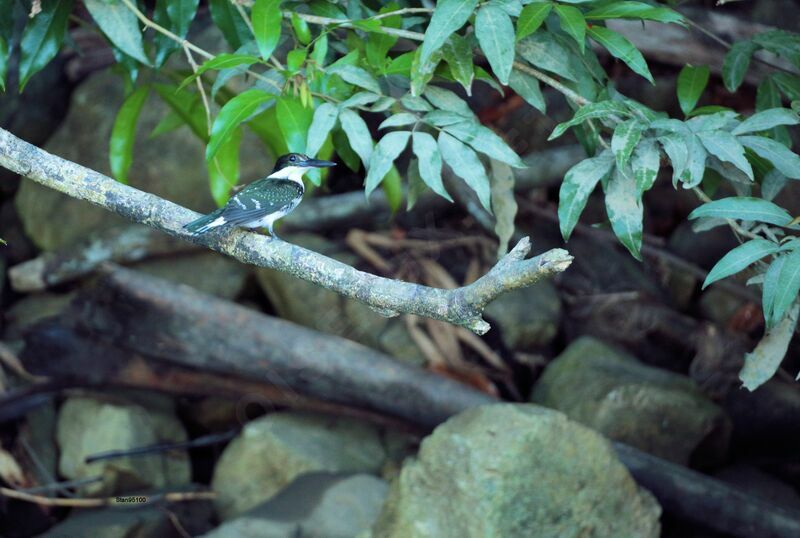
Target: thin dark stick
<point>205,440</point>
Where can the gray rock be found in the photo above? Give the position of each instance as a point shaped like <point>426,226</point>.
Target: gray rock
<point>32,309</point>
<point>701,248</point>
<point>514,470</point>
<point>151,521</point>
<point>39,433</point>
<point>326,311</point>
<point>315,505</point>
<point>208,272</point>
<point>528,318</point>
<point>144,522</point>
<point>171,166</point>
<point>657,411</point>
<point>87,426</point>
<point>275,449</point>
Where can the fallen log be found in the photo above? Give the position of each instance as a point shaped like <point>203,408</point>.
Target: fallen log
<point>161,323</point>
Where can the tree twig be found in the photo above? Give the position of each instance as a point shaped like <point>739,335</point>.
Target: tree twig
<point>461,306</point>
<point>106,501</point>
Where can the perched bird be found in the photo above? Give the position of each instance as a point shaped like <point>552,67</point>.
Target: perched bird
<point>265,200</point>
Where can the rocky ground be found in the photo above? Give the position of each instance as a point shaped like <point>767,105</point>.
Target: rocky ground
<point>611,350</point>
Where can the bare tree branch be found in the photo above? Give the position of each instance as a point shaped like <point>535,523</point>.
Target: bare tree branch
<point>461,306</point>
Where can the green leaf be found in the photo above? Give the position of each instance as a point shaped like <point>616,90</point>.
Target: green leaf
<point>324,120</point>
<point>619,47</point>
<point>266,19</point>
<point>295,59</point>
<point>772,184</point>
<point>379,43</point>
<point>602,109</point>
<point>486,141</point>
<point>645,162</point>
<point>358,134</point>
<point>344,151</point>
<point>301,29</point>
<point>743,208</point>
<point>294,120</point>
<point>442,118</point>
<point>692,82</point>
<point>692,175</point>
<point>401,65</point>
<point>457,53</point>
<point>380,162</point>
<point>320,50</point>
<point>634,10</point>
<point>787,286</point>
<point>397,120</point>
<point>528,88</point>
<point>677,151</point>
<point>235,111</point>
<point>504,204</point>
<point>765,359</point>
<point>767,119</point>
<point>392,186</point>
<point>532,17</point>
<point>356,76</point>
<point>780,42</point>
<point>770,289</point>
<point>724,146</point>
<point>42,38</point>
<point>223,168</point>
<point>578,184</point>
<point>465,163</point>
<point>193,116</point>
<point>545,52</point>
<point>422,73</point>
<point>6,34</point>
<point>779,155</point>
<point>768,96</point>
<point>176,16</point>
<point>123,134</point>
<point>415,184</point>
<point>789,85</point>
<point>446,100</point>
<point>168,123</point>
<point>430,162</point>
<point>736,62</point>
<point>120,26</point>
<point>449,16</point>
<point>739,258</point>
<point>626,136</point>
<point>495,34</point>
<point>625,210</point>
<point>227,18</point>
<point>573,23</point>
<point>223,61</point>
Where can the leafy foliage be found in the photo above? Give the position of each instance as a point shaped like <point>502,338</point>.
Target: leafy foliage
<point>308,73</point>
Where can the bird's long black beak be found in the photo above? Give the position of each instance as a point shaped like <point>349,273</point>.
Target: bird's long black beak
<point>318,163</point>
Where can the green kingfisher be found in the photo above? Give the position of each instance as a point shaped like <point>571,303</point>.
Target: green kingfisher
<point>265,200</point>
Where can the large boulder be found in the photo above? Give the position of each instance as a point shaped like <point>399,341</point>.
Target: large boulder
<point>652,409</point>
<point>171,166</point>
<point>513,470</point>
<point>527,318</point>
<point>275,449</point>
<point>208,272</point>
<point>315,505</point>
<point>88,426</point>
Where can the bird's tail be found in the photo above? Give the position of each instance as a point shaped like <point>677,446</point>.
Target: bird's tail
<point>206,223</point>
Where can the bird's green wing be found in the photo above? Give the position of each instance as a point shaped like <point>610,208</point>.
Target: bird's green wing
<point>261,198</point>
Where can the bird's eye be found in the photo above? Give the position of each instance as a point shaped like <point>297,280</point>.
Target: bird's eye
<point>292,158</point>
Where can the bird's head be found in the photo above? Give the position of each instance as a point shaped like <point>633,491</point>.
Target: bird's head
<point>294,165</point>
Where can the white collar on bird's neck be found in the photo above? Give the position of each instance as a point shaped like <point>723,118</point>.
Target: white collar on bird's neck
<point>292,173</point>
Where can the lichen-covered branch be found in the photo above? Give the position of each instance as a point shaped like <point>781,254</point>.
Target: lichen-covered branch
<point>461,306</point>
